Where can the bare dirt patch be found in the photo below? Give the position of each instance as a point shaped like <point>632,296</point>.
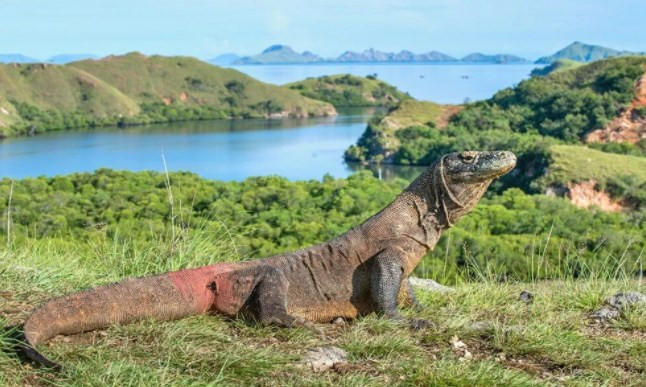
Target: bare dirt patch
<point>584,195</point>
<point>448,112</point>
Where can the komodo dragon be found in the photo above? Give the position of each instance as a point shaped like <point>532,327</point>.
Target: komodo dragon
<point>362,271</point>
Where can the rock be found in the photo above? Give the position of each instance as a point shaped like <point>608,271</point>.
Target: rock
<point>621,300</point>
<point>460,349</point>
<point>526,297</point>
<point>430,285</point>
<point>606,313</point>
<point>324,358</point>
<point>616,304</point>
<point>338,321</point>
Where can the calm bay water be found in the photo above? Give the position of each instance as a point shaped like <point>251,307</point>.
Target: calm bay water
<point>443,83</point>
<point>224,150</point>
<point>236,149</point>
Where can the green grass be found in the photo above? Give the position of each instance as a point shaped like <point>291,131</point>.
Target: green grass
<point>411,113</point>
<point>554,67</point>
<point>151,79</point>
<point>572,163</point>
<point>548,341</point>
<point>347,90</point>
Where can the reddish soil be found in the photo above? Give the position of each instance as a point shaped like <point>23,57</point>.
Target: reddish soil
<point>584,195</point>
<point>448,112</point>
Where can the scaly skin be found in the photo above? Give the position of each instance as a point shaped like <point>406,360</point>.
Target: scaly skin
<point>361,271</point>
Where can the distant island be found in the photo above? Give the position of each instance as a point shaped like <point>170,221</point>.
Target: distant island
<point>282,54</point>
<point>16,58</point>
<point>582,52</point>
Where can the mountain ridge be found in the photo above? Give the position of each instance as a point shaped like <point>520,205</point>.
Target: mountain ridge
<point>284,54</point>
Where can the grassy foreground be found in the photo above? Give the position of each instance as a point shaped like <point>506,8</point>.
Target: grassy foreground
<point>511,343</point>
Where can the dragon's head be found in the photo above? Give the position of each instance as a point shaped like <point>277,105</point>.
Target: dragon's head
<point>464,177</point>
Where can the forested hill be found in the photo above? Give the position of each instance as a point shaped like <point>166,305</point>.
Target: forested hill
<point>345,90</point>
<point>135,88</point>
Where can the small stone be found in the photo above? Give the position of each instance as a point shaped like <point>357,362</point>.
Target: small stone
<point>324,358</point>
<point>616,304</point>
<point>338,321</point>
<point>621,300</point>
<point>606,313</point>
<point>526,297</point>
<point>460,349</point>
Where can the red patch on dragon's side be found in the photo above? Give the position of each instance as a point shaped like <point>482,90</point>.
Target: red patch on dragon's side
<point>202,284</point>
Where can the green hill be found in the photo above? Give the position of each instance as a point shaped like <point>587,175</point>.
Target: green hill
<point>581,52</point>
<point>134,88</point>
<point>558,65</point>
<point>380,142</point>
<point>350,91</point>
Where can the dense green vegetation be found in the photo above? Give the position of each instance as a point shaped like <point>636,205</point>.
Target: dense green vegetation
<point>565,105</point>
<point>134,88</point>
<point>529,120</point>
<point>350,91</point>
<point>514,235</point>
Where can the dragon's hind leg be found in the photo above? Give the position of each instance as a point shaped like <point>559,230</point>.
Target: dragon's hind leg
<point>271,298</point>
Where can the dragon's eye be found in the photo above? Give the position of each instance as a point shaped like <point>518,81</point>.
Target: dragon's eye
<point>468,157</point>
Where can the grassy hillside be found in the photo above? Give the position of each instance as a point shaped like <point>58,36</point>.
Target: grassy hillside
<point>577,163</point>
<point>551,340</point>
<point>558,65</point>
<point>350,91</point>
<point>138,89</point>
<point>30,91</point>
<point>380,140</point>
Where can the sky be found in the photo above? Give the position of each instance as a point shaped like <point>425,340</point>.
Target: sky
<point>207,28</point>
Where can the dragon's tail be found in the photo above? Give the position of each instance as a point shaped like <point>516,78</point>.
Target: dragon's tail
<point>164,297</point>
